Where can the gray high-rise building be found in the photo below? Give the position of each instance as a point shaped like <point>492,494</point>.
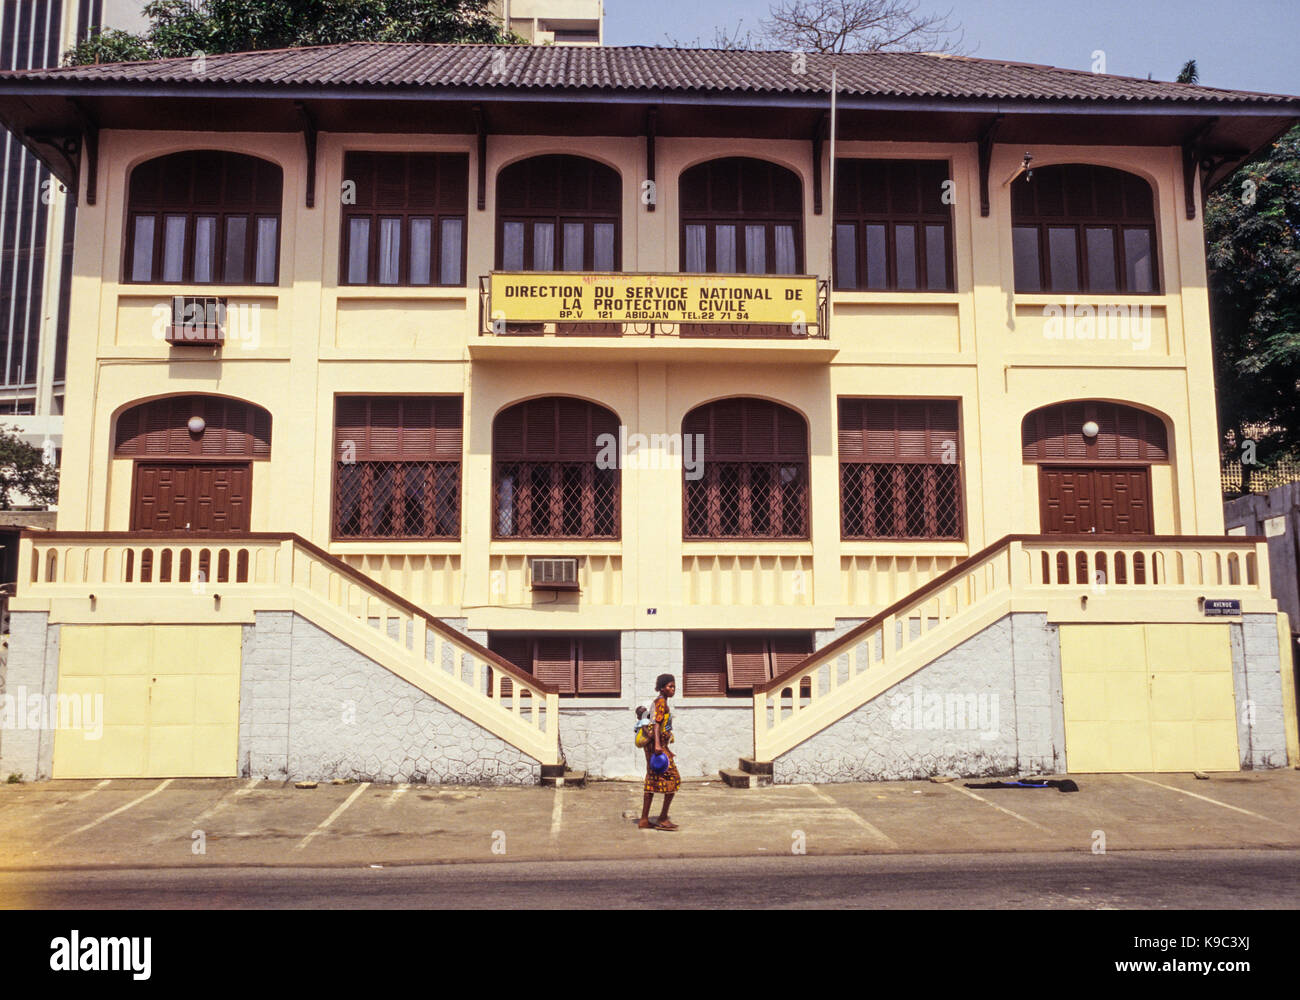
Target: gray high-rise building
<point>37,221</point>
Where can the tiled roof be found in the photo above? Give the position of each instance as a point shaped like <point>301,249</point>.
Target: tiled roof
<point>632,69</point>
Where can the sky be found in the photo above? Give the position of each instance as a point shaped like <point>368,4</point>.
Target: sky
<point>1239,44</point>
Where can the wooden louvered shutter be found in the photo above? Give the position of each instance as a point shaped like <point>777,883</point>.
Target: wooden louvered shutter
<point>517,649</point>
<point>726,438</point>
<point>760,431</point>
<point>351,420</point>
<point>789,651</point>
<point>880,430</point>
<point>415,432</point>
<point>574,441</point>
<point>385,429</point>
<point>599,665</point>
<point>448,424</point>
<point>704,666</point>
<point>911,431</point>
<point>553,662</point>
<point>539,430</point>
<point>852,436</point>
<point>747,661</point>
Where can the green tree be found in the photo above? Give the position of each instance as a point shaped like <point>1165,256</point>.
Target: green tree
<point>25,476</point>
<point>1252,228</point>
<point>179,28</point>
<point>1189,73</point>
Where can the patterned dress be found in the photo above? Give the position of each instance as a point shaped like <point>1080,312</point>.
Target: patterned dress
<point>668,781</point>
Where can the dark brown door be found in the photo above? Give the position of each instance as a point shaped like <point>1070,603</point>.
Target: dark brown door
<point>196,497</point>
<point>1104,500</point>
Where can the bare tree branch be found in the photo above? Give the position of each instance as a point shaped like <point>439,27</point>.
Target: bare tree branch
<point>861,26</point>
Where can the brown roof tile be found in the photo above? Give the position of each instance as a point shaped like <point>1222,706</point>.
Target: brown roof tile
<point>880,74</point>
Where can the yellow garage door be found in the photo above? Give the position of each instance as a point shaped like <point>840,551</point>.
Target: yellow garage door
<point>1148,698</point>
<point>166,699</point>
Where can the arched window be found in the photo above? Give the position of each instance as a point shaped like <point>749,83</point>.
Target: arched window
<point>750,476</point>
<point>1124,434</point>
<point>161,428</point>
<point>741,216</point>
<point>204,217</point>
<point>1084,228</point>
<point>547,480</point>
<point>192,464</point>
<point>558,213</point>
<point>1094,479</point>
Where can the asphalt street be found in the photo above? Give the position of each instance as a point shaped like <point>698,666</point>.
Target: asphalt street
<point>1136,880</point>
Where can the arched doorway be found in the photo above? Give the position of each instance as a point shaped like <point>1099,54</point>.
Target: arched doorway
<point>193,460</point>
<point>1094,466</point>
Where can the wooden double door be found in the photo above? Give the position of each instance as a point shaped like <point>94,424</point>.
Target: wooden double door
<point>202,497</point>
<point>1107,500</point>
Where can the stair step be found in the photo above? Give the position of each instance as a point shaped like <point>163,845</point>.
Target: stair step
<point>569,779</point>
<point>743,779</point>
<point>752,766</point>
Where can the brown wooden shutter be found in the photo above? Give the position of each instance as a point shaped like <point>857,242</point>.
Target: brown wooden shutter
<point>517,649</point>
<point>553,662</point>
<point>789,651</point>
<point>852,436</point>
<point>159,429</point>
<point>599,665</point>
<point>1127,434</point>
<point>704,666</point>
<point>448,439</point>
<point>748,662</point>
<point>385,429</point>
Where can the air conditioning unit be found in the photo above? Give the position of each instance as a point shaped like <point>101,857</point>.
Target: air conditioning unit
<point>198,321</point>
<point>554,573</point>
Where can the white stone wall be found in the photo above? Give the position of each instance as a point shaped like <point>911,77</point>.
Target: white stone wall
<point>313,708</point>
<point>30,668</point>
<point>991,706</point>
<point>1257,678</point>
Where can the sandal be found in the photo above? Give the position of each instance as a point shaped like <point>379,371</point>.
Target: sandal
<point>665,824</point>
<point>645,824</point>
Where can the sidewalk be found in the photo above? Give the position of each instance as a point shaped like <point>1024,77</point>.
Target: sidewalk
<point>162,824</point>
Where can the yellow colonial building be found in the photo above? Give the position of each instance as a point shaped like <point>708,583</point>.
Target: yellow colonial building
<point>426,402</point>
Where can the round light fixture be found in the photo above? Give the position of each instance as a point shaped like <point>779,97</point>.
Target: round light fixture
<point>197,425</point>
<point>1090,429</point>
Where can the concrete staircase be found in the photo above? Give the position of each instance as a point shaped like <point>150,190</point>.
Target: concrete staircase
<point>752,774</point>
<point>559,776</point>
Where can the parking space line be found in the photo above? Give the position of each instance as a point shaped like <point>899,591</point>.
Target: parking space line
<point>398,792</point>
<point>557,812</point>
<point>225,800</point>
<point>1203,798</point>
<point>43,813</point>
<point>852,814</point>
<point>1016,815</point>
<point>109,815</point>
<point>325,823</point>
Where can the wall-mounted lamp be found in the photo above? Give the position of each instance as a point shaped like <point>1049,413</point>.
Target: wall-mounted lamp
<point>1024,166</point>
<point>197,425</point>
<point>1091,429</point>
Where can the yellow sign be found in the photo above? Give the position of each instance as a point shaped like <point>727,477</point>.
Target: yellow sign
<point>560,297</point>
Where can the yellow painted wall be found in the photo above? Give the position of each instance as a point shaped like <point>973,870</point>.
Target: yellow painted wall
<point>980,344</point>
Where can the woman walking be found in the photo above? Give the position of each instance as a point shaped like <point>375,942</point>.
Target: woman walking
<point>667,781</point>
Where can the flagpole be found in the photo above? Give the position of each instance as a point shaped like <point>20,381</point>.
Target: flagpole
<point>830,273</point>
